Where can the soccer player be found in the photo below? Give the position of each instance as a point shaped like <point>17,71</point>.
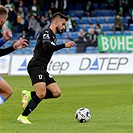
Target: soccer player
<point>44,84</point>
<point>5,89</point>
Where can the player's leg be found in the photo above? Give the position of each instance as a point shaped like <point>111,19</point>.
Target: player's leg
<point>38,81</point>
<point>5,91</point>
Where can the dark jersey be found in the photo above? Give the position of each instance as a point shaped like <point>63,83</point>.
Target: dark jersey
<point>6,51</point>
<point>45,46</point>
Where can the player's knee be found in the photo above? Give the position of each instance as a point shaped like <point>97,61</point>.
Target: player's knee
<point>57,93</point>
<point>9,92</point>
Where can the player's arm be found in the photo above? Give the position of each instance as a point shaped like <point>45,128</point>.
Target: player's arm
<point>6,51</point>
<point>21,43</point>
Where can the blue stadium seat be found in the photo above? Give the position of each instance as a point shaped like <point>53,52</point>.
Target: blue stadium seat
<point>20,51</point>
<point>98,13</point>
<point>130,27</point>
<point>126,19</point>
<point>105,28</point>
<point>32,43</point>
<point>27,50</point>
<point>89,49</point>
<point>103,6</point>
<point>118,33</point>
<point>64,35</point>
<point>74,35</point>
<point>78,6</point>
<point>127,32</point>
<point>58,36</point>
<point>60,41</point>
<point>111,20</point>
<point>63,51</point>
<point>86,27</point>
<point>77,20</point>
<point>73,13</point>
<point>93,20</point>
<point>84,20</point>
<point>107,12</point>
<point>95,6</point>
<point>8,43</point>
<point>70,6</point>
<point>109,33</point>
<point>72,50</point>
<point>101,20</point>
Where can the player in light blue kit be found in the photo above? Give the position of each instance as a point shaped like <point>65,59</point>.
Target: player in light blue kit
<point>5,89</point>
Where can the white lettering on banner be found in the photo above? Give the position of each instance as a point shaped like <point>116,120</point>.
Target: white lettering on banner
<point>67,64</point>
<point>121,43</point>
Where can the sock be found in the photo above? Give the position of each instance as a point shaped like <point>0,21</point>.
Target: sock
<point>31,105</point>
<point>2,99</point>
<point>49,94</point>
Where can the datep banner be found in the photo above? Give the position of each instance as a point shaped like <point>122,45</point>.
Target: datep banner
<point>69,64</point>
<point>115,43</point>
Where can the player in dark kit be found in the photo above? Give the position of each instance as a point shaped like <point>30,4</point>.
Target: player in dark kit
<point>45,86</point>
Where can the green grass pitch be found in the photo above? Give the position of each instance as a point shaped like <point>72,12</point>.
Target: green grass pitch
<point>108,97</point>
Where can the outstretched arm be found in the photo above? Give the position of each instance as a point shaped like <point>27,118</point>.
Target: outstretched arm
<point>21,43</point>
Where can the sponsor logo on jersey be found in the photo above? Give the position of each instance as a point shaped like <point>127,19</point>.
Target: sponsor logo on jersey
<point>46,36</point>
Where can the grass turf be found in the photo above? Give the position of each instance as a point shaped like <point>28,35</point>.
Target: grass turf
<point>108,97</point>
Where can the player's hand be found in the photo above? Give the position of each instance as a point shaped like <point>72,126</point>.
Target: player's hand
<point>7,34</point>
<point>21,43</point>
<point>69,44</point>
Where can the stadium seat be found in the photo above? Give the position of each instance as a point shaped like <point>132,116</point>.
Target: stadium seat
<point>93,20</point>
<point>64,35</point>
<point>95,6</point>
<point>78,6</point>
<point>107,12</point>
<point>63,51</point>
<point>127,32</point>
<point>105,28</point>
<point>32,43</point>
<point>70,6</point>
<point>89,49</point>
<point>98,13</point>
<point>74,35</point>
<point>8,43</point>
<point>72,50</point>
<point>111,20</point>
<point>101,20</point>
<point>84,20</point>
<point>60,41</point>
<point>27,50</point>
<point>118,33</point>
<point>109,33</point>
<point>103,6</point>
<point>130,27</point>
<point>20,51</point>
<point>126,19</point>
<point>76,19</point>
<point>58,36</point>
<point>73,13</point>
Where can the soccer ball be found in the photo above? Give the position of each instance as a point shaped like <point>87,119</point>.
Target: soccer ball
<point>83,115</point>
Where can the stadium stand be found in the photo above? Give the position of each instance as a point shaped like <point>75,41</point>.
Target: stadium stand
<point>101,15</point>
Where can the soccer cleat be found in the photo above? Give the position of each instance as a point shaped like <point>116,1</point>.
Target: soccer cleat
<point>23,120</point>
<point>26,97</point>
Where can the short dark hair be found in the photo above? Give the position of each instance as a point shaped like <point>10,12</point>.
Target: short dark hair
<point>60,15</point>
<point>3,10</point>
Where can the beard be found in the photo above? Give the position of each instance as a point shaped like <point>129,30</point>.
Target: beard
<point>58,31</point>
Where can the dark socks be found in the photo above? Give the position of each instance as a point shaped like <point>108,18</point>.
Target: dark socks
<point>31,105</point>
<point>49,94</point>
